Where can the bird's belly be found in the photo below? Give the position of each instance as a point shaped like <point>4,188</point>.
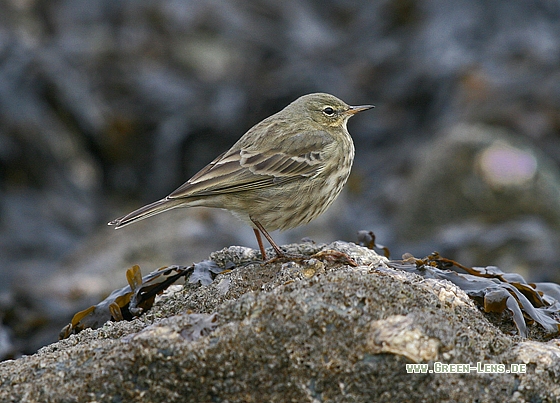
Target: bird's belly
<point>288,206</point>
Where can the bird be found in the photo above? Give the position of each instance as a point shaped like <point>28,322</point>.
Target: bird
<point>282,173</point>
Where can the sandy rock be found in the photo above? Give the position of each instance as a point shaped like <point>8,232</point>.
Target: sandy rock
<point>306,331</point>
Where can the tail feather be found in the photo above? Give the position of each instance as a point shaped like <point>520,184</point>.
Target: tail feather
<point>147,211</point>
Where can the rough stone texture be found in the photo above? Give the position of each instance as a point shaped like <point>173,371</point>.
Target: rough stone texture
<point>310,331</point>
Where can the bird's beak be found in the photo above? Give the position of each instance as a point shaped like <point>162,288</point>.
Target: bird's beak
<point>355,109</point>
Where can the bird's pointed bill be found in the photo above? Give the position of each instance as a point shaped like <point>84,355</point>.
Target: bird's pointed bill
<point>355,109</point>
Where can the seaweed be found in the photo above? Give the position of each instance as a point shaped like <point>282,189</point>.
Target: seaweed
<point>367,239</point>
<point>139,295</point>
<point>494,290</point>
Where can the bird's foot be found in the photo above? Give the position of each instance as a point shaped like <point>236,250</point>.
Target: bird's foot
<point>335,256</point>
<point>329,255</point>
<point>284,257</point>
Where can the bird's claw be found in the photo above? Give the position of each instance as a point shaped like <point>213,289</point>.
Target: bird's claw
<point>330,255</point>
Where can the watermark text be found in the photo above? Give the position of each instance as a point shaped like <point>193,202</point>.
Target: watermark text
<point>480,368</point>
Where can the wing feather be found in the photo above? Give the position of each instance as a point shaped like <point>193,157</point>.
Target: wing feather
<point>246,168</point>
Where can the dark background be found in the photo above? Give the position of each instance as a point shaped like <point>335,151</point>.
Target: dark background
<point>107,105</point>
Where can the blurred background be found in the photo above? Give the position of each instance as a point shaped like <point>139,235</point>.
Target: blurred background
<point>107,105</point>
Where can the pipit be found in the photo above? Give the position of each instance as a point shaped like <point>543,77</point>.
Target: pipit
<point>284,172</point>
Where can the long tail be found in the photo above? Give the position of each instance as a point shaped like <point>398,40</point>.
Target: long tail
<point>147,211</point>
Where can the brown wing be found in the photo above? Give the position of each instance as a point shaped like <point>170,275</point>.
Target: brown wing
<point>246,167</point>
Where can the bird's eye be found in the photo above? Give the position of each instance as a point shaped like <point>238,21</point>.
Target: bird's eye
<point>328,111</point>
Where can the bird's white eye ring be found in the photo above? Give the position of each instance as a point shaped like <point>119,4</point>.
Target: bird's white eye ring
<point>328,111</point>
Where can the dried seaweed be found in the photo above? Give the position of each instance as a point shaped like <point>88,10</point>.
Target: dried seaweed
<point>367,239</point>
<point>203,271</point>
<point>495,290</point>
<point>138,297</point>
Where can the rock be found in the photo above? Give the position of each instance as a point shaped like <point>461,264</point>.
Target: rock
<point>484,195</point>
<point>480,173</point>
<point>302,332</point>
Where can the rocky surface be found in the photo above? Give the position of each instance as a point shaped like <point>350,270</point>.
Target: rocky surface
<point>308,331</point>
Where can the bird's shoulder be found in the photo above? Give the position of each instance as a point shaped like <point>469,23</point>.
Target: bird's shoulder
<point>281,136</point>
<point>266,155</point>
